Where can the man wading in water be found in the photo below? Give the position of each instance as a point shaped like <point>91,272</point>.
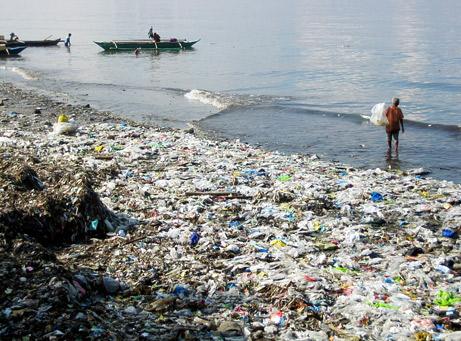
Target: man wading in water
<point>394,121</point>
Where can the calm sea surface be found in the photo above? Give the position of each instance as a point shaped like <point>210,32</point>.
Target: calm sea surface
<point>293,76</point>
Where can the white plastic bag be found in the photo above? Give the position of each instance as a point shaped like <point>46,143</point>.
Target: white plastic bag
<point>64,128</point>
<point>378,116</point>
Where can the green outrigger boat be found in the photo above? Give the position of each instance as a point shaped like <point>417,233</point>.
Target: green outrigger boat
<point>124,45</point>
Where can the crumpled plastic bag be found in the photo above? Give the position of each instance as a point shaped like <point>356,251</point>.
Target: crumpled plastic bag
<point>378,116</point>
<point>65,128</point>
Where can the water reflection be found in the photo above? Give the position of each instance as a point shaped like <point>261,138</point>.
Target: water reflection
<point>154,52</point>
<point>392,160</point>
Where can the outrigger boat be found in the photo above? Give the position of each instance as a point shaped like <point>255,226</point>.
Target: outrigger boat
<point>6,50</point>
<point>172,44</point>
<point>43,42</point>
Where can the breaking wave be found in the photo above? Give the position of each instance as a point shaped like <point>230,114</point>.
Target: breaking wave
<point>206,97</point>
<point>25,74</point>
<point>225,101</point>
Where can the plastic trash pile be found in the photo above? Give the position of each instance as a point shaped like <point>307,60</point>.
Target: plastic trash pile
<point>234,242</point>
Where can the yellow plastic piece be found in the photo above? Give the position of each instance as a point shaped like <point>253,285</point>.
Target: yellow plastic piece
<point>63,118</point>
<point>316,225</point>
<point>424,194</point>
<point>278,243</point>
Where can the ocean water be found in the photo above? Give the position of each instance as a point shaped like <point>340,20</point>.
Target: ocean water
<point>294,76</point>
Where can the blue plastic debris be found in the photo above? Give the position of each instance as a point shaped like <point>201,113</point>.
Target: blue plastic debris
<point>261,249</point>
<point>314,308</point>
<point>231,285</point>
<point>451,312</point>
<point>235,224</point>
<point>443,269</point>
<point>254,172</point>
<point>127,173</point>
<point>194,238</point>
<point>94,225</point>
<point>97,331</point>
<point>402,223</point>
<point>7,312</point>
<point>448,233</point>
<point>439,327</point>
<point>375,196</point>
<point>180,291</point>
<point>290,216</point>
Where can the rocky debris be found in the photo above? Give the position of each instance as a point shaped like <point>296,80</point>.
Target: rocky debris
<point>230,328</point>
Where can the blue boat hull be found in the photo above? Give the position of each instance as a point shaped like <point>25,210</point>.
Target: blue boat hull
<point>12,51</point>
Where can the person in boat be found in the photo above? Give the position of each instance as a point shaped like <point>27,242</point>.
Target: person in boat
<point>156,37</point>
<point>13,37</point>
<point>150,34</point>
<point>394,121</point>
<point>67,42</point>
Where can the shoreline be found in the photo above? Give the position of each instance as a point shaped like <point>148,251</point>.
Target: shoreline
<point>367,153</point>
<point>219,238</point>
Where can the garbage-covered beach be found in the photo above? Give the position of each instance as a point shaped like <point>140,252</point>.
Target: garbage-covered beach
<point>118,230</point>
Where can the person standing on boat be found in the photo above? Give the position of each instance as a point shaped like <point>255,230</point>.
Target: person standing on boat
<point>394,121</point>
<point>151,33</point>
<point>156,37</point>
<point>13,37</point>
<point>67,43</point>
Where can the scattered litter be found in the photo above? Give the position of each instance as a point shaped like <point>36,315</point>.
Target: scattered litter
<point>172,236</point>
